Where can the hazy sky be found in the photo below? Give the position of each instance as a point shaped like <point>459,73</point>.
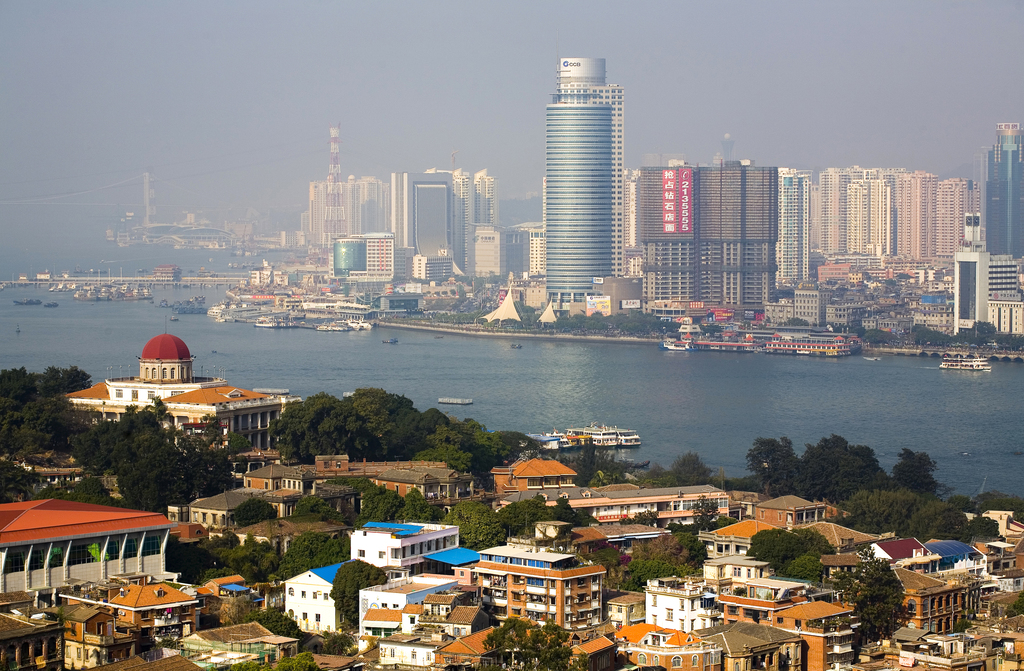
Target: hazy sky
<point>229,103</point>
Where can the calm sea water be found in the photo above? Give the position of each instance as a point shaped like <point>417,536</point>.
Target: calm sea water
<point>713,403</point>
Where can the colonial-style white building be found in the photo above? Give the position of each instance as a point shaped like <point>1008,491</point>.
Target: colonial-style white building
<point>402,550</point>
<point>307,599</point>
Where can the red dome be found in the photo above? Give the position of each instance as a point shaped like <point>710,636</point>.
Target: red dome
<point>167,347</point>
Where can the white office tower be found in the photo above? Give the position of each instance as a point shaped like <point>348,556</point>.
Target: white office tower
<point>869,217</point>
<point>915,214</point>
<point>629,182</point>
<point>421,211</point>
<point>485,199</point>
<point>366,204</point>
<point>587,76</point>
<point>983,283</point>
<point>793,250</point>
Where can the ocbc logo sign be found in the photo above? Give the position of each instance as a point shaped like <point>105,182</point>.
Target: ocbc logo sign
<point>570,64</point>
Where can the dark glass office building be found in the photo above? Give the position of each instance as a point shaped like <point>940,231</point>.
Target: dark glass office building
<point>1004,192</point>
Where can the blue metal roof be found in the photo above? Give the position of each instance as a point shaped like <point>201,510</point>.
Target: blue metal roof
<point>398,529</point>
<point>950,548</point>
<point>235,588</point>
<point>455,556</point>
<point>327,572</point>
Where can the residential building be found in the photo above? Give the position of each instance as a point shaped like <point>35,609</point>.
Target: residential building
<point>450,611</point>
<point>842,538</point>
<point>96,542</point>
<point>366,201</point>
<point>402,550</point>
<point>485,199</point>
<point>916,202</point>
<point>1004,192</point>
<point>733,539</point>
<point>907,553</point>
<point>583,135</point>
<point>839,563</point>
<point>728,573</point>
<point>626,609</point>
<point>308,599</point>
<point>810,303</point>
<point>91,638</point>
<point>791,511</point>
<point>612,504</point>
<point>538,251</point>
<point>648,645</point>
<point>152,611</point>
<point>469,651</point>
<point>247,638</point>
<point>754,646</point>
<point>954,198</point>
<point>31,644</point>
<point>541,586</point>
<point>792,255</point>
<point>624,536</point>
<point>165,372</point>
<point>666,214</point>
<point>599,653</point>
<point>532,475</point>
<point>340,466</point>
<point>942,652</point>
<point>832,189</point>
<point>433,268</point>
<point>869,226</point>
<point>280,532</point>
<point>402,594</point>
<point>958,557</point>
<point>218,511</point>
<point>421,212</point>
<point>410,650</point>
<point>765,598</point>
<point>930,604</point>
<point>681,603</point>
<point>827,630</point>
<point>441,485</point>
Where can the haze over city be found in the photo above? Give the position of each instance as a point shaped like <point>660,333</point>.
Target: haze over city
<point>230,102</point>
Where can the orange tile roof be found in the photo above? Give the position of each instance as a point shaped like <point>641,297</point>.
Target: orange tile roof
<point>383,615</point>
<point>587,535</point>
<point>52,518</point>
<point>146,596</point>
<point>98,390</point>
<point>594,645</point>
<point>636,632</point>
<point>413,609</point>
<point>214,396</point>
<point>541,468</point>
<point>814,610</point>
<point>468,645</point>
<point>744,529</point>
<point>229,580</point>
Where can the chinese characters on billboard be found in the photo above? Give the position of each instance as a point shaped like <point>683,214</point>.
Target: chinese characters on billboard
<point>676,200</point>
<point>601,305</point>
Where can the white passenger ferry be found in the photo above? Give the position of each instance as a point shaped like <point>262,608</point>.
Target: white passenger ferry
<point>964,362</point>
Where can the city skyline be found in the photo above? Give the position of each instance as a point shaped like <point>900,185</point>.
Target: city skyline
<point>226,130</point>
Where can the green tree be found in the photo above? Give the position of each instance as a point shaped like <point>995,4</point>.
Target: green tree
<point>915,471</point>
<point>779,547</point>
<point>774,463</point>
<point>666,548</point>
<point>877,511</point>
<point>190,560</point>
<point>311,550</point>
<point>705,513</point>
<point>479,526</point>
<point>416,508</point>
<point>379,505</point>
<point>253,511</point>
<point>834,470</point>
<point>805,567</point>
<point>642,570</point>
<point>338,643</point>
<point>301,662</point>
<point>875,593</point>
<point>275,621</point>
<point>646,517</point>
<point>314,507</point>
<point>519,518</point>
<point>1017,607</point>
<point>350,578</point>
<point>795,321</point>
<point>238,443</point>
<point>16,483</point>
<point>60,381</point>
<point>446,445</point>
<point>689,469</point>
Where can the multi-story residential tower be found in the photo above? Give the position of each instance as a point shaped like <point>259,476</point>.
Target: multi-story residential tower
<point>869,217</point>
<point>366,204</point>
<point>317,212</point>
<point>421,211</point>
<point>485,199</point>
<point>462,220</point>
<point>580,180</point>
<point>666,204</point>
<point>953,199</point>
<point>832,185</point>
<point>815,233</point>
<point>629,231</point>
<point>1004,192</point>
<point>916,194</point>
<point>587,75</point>
<point>793,250</point>
<point>538,250</point>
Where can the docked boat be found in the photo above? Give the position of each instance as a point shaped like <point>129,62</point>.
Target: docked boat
<point>173,318</point>
<point>824,344</point>
<point>515,346</point>
<point>607,436</point>
<point>356,325</point>
<point>333,327</point>
<point>677,345</point>
<point>445,400</point>
<point>29,301</point>
<point>872,358</point>
<point>272,323</point>
<point>970,362</point>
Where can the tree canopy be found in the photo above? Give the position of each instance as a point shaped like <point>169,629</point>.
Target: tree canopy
<point>781,548</point>
<point>275,621</point>
<point>253,511</point>
<point>915,471</point>
<point>350,578</point>
<point>876,594</point>
<point>479,525</point>
<point>35,415</point>
<point>311,550</point>
<point>834,470</point>
<point>774,463</point>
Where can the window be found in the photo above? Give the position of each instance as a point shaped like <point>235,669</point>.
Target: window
<point>327,596</point>
<point>380,554</point>
<point>15,562</point>
<point>668,614</point>
<point>317,616</point>
<point>113,550</point>
<point>303,596</point>
<point>305,616</point>
<point>56,557</point>
<point>37,559</point>
<point>291,591</point>
<point>362,553</point>
<point>83,554</point>
<point>151,546</point>
<point>118,393</point>
<point>536,582</point>
<point>677,661</point>
<point>693,661</point>
<point>642,659</point>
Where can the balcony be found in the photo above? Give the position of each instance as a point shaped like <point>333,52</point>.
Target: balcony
<point>532,589</point>
<point>166,621</point>
<point>541,607</point>
<point>841,649</point>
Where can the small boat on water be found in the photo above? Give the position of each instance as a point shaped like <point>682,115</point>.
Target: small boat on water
<point>357,325</point>
<point>51,304</point>
<point>872,358</point>
<point>971,362</point>
<point>607,436</point>
<point>390,341</point>
<point>438,337</point>
<point>336,326</point>
<point>445,400</point>
<point>173,318</point>
<point>515,346</point>
<point>29,301</point>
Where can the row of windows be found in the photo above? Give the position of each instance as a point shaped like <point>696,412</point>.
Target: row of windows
<point>82,553</point>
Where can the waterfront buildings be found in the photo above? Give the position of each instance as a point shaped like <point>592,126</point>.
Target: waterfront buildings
<point>166,373</point>
<point>580,179</point>
<point>979,277</point>
<point>402,550</point>
<point>97,542</point>
<point>1004,192</point>
<point>421,211</point>
<point>367,256</point>
<point>793,249</point>
<point>541,586</point>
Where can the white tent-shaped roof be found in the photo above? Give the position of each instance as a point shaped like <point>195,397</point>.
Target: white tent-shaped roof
<point>507,310</point>
<point>548,316</point>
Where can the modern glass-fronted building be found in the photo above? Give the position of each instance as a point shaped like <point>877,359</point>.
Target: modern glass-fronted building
<point>579,192</point>
<point>348,255</point>
<point>1004,192</point>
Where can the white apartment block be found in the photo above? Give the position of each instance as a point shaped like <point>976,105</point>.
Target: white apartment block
<point>831,213</point>
<point>366,203</point>
<point>793,248</point>
<point>587,75</point>
<point>402,549</point>
<point>869,217</point>
<point>680,603</point>
<point>485,199</point>
<point>397,594</point>
<point>307,599</point>
<point>538,251</point>
<point>954,199</point>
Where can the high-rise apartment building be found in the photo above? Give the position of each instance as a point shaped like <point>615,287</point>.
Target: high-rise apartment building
<point>792,253</point>
<point>832,184</point>
<point>1004,192</point>
<point>485,199</point>
<point>580,178</point>
<point>629,182</point>
<point>869,217</point>
<point>462,220</point>
<point>815,233</point>
<point>421,211</point>
<point>916,199</point>
<point>538,250</point>
<point>709,233</point>
<point>366,204</point>
<point>318,212</point>
<point>954,198</point>
<point>587,76</point>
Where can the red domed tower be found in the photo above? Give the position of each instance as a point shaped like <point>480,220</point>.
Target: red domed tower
<point>166,359</point>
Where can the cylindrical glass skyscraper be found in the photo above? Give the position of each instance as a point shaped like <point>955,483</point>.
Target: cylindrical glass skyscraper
<point>579,195</point>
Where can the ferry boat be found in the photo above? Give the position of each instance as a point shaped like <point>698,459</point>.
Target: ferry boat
<point>333,327</point>
<point>823,344</point>
<point>964,362</point>
<point>608,436</point>
<point>29,301</point>
<point>455,401</point>
<point>51,304</point>
<point>677,345</point>
<point>271,323</point>
<point>360,326</point>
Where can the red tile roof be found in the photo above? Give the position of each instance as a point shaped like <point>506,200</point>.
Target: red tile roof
<point>468,645</point>
<point>814,610</point>
<point>98,390</point>
<point>150,596</point>
<point>541,468</point>
<point>635,633</point>
<point>594,645</point>
<point>744,529</point>
<point>383,615</point>
<point>52,518</point>
<point>214,396</point>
